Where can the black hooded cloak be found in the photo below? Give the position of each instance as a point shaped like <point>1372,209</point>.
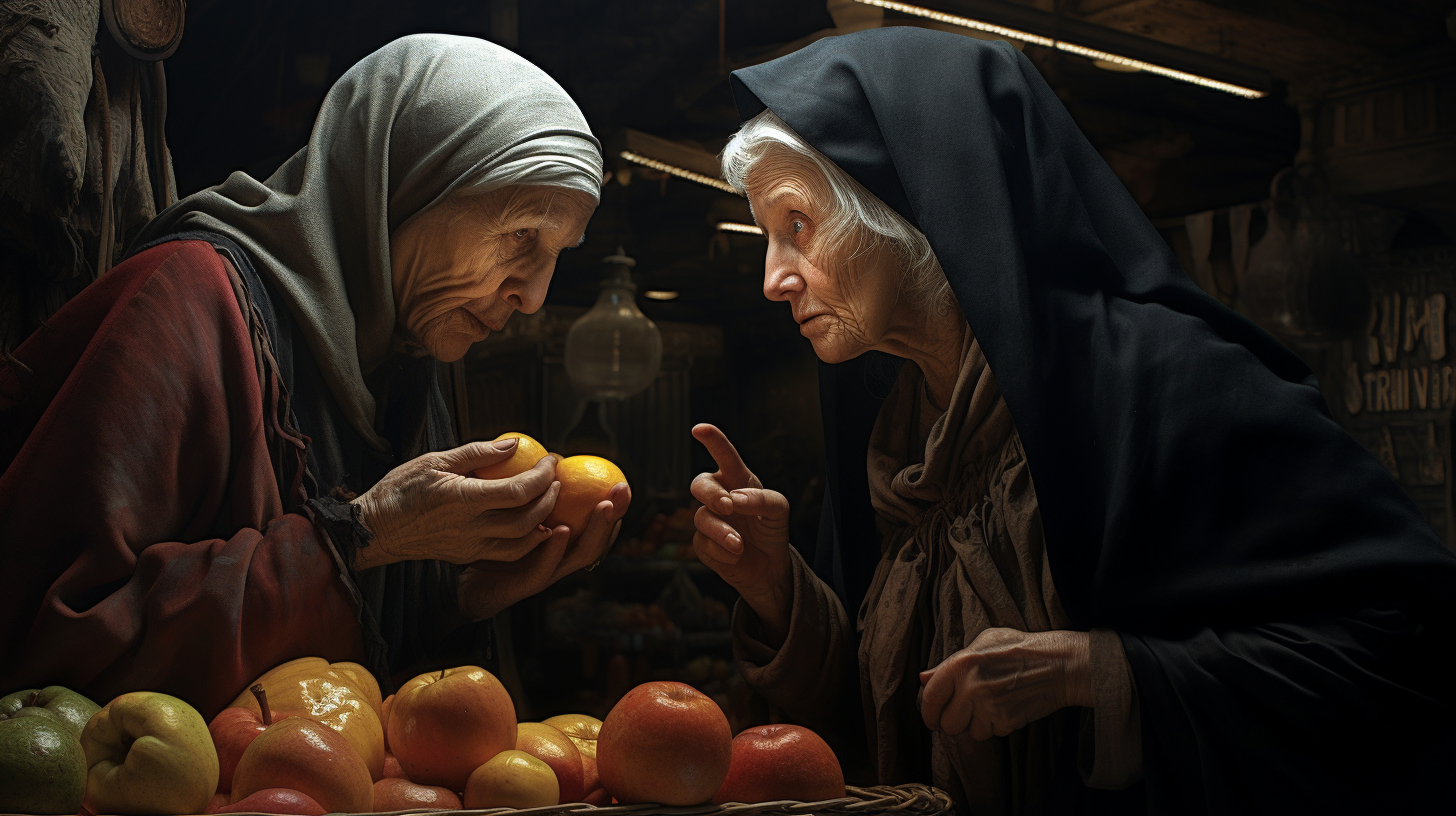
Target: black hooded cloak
<point>1286,613</point>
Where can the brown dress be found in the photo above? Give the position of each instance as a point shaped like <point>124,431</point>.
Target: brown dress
<point>963,552</point>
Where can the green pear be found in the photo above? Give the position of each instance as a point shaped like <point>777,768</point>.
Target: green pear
<point>74,707</point>
<point>42,767</point>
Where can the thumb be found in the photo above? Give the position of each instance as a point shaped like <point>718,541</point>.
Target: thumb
<point>475,455</point>
<point>936,691</point>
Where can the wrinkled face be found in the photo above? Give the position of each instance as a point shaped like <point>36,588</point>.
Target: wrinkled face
<point>462,268</point>
<point>844,306</point>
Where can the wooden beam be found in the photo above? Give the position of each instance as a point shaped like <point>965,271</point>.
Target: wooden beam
<point>1102,38</point>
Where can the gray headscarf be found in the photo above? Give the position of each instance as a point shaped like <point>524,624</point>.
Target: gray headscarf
<point>421,118</point>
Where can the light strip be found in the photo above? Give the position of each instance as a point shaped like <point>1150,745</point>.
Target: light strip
<point>1082,51</point>
<point>734,226</point>
<point>673,170</point>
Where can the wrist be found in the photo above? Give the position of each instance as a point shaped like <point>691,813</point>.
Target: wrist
<point>1077,668</point>
<point>375,554</point>
<point>773,603</point>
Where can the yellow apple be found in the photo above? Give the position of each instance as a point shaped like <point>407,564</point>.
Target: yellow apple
<point>148,752</point>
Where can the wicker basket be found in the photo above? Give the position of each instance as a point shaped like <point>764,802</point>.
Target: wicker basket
<point>910,800</point>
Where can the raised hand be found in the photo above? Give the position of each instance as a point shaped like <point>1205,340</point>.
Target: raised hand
<point>743,533</point>
<point>432,508</point>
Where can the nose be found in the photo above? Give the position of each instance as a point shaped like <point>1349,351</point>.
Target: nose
<point>781,276</point>
<point>528,292</point>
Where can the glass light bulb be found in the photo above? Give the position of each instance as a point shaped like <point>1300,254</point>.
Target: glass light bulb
<point>614,350</point>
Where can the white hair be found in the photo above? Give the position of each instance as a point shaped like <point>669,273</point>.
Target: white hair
<point>853,220</point>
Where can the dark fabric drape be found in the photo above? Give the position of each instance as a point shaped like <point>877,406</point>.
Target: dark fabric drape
<point>146,537</point>
<point>1287,614</point>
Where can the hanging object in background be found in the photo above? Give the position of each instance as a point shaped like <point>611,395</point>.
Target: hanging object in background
<point>148,30</point>
<point>614,350</point>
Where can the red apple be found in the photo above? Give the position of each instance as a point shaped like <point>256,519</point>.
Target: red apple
<point>558,751</point>
<point>392,769</point>
<point>664,742</point>
<point>774,762</point>
<point>308,757</point>
<point>444,725</point>
<point>598,797</point>
<point>219,800</point>
<point>276,800</point>
<point>402,794</point>
<point>233,730</point>
<point>591,781</point>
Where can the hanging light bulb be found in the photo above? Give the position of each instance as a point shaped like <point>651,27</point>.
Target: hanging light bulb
<point>614,350</point>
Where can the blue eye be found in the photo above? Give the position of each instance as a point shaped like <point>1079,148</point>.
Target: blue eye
<point>798,227</point>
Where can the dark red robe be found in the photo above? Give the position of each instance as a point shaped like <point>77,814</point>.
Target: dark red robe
<point>143,538</point>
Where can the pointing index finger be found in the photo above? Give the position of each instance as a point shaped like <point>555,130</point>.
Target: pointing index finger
<point>730,464</point>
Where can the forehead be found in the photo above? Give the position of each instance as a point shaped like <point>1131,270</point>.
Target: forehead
<point>785,193</point>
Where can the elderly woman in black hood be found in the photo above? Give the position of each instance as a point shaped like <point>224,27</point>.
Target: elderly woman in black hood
<point>1091,541</point>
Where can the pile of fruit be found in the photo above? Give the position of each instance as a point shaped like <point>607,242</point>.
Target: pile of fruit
<point>311,737</point>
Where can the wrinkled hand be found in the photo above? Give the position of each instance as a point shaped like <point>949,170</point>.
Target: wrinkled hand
<point>432,508</point>
<point>743,533</point>
<point>487,587</point>
<point>1006,679</point>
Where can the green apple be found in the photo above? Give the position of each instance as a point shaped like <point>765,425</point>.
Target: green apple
<point>74,707</point>
<point>148,752</point>
<point>42,768</point>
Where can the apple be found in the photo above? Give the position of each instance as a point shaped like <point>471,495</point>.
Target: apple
<point>384,720</point>
<point>444,725</point>
<point>581,728</point>
<point>148,752</point>
<point>392,769</point>
<point>558,752</point>
<point>664,742</point>
<point>309,757</point>
<point>42,766</point>
<point>343,696</point>
<point>218,801</point>
<point>774,762</point>
<point>276,800</point>
<point>233,730</point>
<point>512,779</point>
<point>73,707</point>
<point>402,794</point>
<point>591,780</point>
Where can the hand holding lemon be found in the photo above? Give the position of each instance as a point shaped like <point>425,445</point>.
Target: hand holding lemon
<point>589,498</point>
<point>433,508</point>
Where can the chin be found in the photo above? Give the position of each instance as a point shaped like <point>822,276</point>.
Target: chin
<point>452,347</point>
<point>831,352</point>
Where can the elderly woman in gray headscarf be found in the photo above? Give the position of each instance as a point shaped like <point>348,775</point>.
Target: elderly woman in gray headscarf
<point>234,449</point>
